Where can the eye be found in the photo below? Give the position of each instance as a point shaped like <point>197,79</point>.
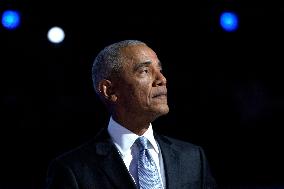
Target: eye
<point>144,70</point>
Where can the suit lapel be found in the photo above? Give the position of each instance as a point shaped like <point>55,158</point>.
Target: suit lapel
<point>111,162</point>
<point>171,162</point>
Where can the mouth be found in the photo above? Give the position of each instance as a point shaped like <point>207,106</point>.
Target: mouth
<point>159,95</point>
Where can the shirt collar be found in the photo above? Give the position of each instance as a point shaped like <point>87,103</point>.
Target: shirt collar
<point>124,138</point>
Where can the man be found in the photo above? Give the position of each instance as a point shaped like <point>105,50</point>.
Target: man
<point>128,154</point>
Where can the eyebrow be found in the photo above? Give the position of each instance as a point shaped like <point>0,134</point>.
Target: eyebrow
<point>143,64</point>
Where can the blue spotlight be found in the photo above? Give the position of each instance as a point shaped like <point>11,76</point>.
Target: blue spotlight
<point>229,21</point>
<point>11,19</point>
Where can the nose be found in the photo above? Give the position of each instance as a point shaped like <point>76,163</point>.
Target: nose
<point>160,79</point>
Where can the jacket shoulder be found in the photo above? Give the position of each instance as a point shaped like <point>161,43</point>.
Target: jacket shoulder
<point>76,154</point>
<point>87,151</point>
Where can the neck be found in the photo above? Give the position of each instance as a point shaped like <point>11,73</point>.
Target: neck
<point>138,126</point>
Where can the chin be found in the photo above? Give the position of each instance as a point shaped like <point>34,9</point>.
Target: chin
<point>163,110</point>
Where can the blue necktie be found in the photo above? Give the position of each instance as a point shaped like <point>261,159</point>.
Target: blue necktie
<point>148,175</point>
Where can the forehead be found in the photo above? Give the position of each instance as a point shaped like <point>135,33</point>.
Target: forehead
<point>139,53</point>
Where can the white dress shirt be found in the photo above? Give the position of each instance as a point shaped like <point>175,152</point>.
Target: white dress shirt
<point>124,141</point>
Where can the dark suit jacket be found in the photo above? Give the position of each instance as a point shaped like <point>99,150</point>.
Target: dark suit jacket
<point>98,165</point>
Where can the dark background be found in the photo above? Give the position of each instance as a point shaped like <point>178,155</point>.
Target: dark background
<point>225,89</point>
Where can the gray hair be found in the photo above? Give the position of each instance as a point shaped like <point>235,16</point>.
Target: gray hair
<point>109,61</point>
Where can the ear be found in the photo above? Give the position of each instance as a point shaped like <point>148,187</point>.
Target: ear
<point>106,89</point>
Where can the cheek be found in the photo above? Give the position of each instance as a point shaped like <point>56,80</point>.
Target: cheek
<point>138,92</point>
<point>135,93</point>
<point>144,93</point>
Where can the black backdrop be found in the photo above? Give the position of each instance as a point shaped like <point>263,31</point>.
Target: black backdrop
<point>225,89</point>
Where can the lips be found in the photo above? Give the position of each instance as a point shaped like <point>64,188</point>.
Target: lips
<point>160,93</point>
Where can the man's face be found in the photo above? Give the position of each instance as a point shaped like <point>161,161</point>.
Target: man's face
<point>141,88</point>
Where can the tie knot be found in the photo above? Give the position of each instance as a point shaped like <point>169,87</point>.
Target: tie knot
<point>142,143</point>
